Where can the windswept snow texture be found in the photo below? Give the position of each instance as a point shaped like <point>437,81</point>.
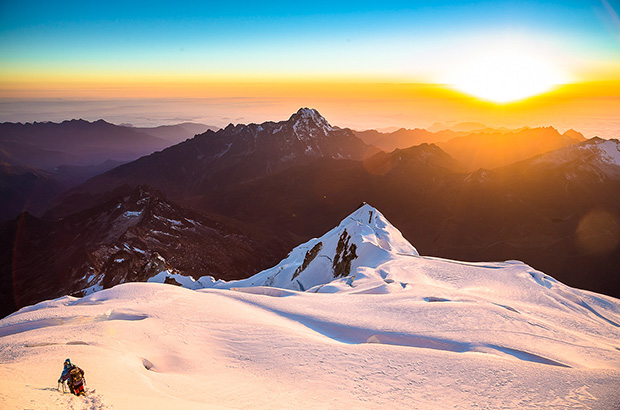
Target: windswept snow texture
<point>349,253</point>
<point>397,331</point>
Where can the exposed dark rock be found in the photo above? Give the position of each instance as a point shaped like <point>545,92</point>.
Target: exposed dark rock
<point>310,256</point>
<point>131,237</point>
<point>345,254</point>
<point>171,281</point>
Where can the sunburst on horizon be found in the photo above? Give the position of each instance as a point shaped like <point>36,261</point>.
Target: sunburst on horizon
<point>506,74</point>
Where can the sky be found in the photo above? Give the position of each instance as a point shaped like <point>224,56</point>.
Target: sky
<point>362,64</point>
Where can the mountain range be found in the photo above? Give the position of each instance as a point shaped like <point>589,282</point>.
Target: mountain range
<point>76,142</point>
<point>278,184</point>
<point>131,237</point>
<point>229,157</point>
<point>176,133</point>
<point>481,147</point>
<point>42,159</point>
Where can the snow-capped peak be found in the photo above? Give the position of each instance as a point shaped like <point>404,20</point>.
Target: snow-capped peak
<point>608,151</point>
<point>307,119</point>
<point>386,236</point>
<point>596,151</point>
<point>350,252</point>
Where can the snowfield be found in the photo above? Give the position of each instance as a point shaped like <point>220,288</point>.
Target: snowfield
<point>385,328</point>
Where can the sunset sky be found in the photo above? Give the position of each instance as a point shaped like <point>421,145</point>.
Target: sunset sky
<point>374,64</point>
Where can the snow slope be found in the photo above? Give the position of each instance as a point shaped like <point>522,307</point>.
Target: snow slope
<point>595,152</point>
<point>349,253</point>
<point>398,330</point>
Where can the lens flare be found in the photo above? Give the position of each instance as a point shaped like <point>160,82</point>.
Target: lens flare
<point>598,232</point>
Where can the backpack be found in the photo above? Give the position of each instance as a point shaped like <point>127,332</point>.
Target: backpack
<point>76,375</point>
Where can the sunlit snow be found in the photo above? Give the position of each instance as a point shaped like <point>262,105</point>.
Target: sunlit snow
<point>399,330</point>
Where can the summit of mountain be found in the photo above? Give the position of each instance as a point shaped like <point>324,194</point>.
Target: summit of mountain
<point>571,133</point>
<point>232,155</point>
<point>423,159</point>
<point>362,241</point>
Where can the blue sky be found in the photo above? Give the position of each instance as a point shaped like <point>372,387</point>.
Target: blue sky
<point>363,64</point>
<point>318,37</point>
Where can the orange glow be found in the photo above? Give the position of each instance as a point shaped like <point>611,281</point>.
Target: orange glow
<point>357,104</point>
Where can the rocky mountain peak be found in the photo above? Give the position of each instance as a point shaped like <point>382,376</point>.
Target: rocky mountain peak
<point>599,158</point>
<point>307,121</point>
<point>364,239</point>
<point>608,151</point>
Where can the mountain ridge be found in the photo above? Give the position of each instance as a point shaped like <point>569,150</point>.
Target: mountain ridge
<point>232,155</point>
<point>363,240</point>
<point>84,142</point>
<point>132,236</point>
<point>246,175</point>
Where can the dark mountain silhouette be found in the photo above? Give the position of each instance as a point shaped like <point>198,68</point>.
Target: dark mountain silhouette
<point>42,160</point>
<point>24,154</point>
<point>46,145</point>
<point>26,189</point>
<point>233,155</point>
<point>132,237</point>
<point>176,133</point>
<point>73,175</point>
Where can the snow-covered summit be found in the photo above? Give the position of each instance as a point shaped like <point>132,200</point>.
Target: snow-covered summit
<point>608,150</point>
<point>596,149</point>
<point>351,252</point>
<point>306,120</point>
<point>398,328</point>
<point>306,134</point>
<point>596,156</point>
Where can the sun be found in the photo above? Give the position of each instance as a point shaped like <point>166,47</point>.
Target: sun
<point>506,74</point>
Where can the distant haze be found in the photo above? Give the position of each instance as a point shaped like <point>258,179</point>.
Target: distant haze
<point>363,65</point>
<point>349,111</point>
